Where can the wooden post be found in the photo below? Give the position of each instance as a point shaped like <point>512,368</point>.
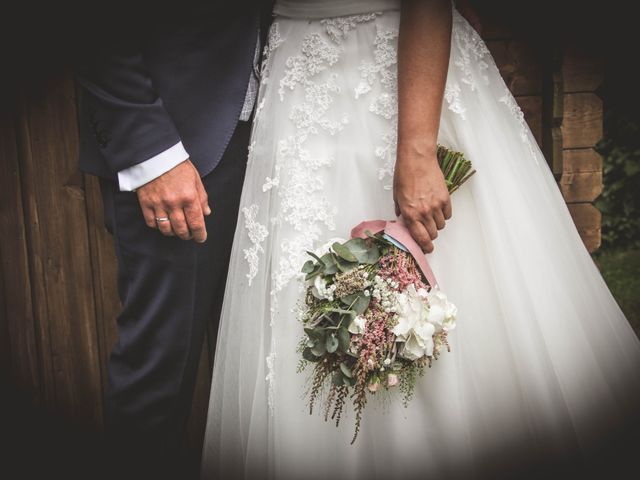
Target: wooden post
<point>553,111</point>
<point>58,252</point>
<point>581,180</point>
<point>18,325</point>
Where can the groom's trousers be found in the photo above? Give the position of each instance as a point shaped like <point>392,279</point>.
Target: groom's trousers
<point>171,290</point>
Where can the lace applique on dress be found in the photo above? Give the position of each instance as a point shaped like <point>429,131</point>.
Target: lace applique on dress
<point>383,70</point>
<point>452,96</point>
<point>317,55</point>
<point>470,56</point>
<point>257,234</point>
<point>271,182</point>
<point>256,231</point>
<point>273,42</point>
<point>471,53</point>
<point>271,375</point>
<point>525,134</point>
<point>302,204</point>
<point>338,28</point>
<point>311,114</point>
<point>293,180</point>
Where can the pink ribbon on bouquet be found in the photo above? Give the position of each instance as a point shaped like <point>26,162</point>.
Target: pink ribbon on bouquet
<point>397,230</point>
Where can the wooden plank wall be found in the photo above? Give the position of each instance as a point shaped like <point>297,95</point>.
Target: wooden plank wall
<point>581,181</point>
<point>58,289</point>
<point>58,297</point>
<point>555,89</point>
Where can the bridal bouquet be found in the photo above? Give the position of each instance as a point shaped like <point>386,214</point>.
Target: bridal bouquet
<point>373,316</point>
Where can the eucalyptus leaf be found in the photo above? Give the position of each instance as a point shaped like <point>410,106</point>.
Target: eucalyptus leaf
<point>363,252</point>
<point>318,268</point>
<point>343,252</point>
<point>332,318</point>
<point>313,322</point>
<point>309,356</point>
<point>314,256</point>
<point>308,266</point>
<point>358,302</point>
<point>331,270</point>
<point>330,263</point>
<point>344,265</point>
<point>319,349</point>
<point>341,311</point>
<point>344,339</point>
<point>331,343</point>
<point>346,371</point>
<point>348,382</point>
<point>346,319</point>
<point>315,333</point>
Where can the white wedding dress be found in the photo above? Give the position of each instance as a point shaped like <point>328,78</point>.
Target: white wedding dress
<point>543,362</point>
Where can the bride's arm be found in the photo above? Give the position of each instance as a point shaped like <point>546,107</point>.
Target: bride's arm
<point>420,192</point>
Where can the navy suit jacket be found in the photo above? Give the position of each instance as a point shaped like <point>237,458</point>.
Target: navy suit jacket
<point>180,74</point>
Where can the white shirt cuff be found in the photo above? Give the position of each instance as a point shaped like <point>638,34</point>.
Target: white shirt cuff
<point>133,177</point>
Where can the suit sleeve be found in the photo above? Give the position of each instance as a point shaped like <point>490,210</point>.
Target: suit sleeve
<point>124,111</point>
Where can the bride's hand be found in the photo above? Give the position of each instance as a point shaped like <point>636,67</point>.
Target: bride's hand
<point>424,43</point>
<point>421,197</point>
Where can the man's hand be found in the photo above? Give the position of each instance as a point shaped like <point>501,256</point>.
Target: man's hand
<point>421,197</point>
<point>179,196</point>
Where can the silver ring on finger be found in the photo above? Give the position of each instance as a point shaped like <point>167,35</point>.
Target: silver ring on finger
<point>162,219</point>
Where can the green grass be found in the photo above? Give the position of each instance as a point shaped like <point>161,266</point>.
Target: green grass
<point>621,271</point>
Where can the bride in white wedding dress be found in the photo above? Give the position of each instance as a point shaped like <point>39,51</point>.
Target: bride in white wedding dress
<point>543,362</point>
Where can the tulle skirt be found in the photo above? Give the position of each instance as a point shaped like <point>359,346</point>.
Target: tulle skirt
<point>543,363</point>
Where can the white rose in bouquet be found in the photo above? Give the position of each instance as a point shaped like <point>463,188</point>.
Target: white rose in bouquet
<point>320,290</point>
<point>413,327</point>
<point>442,313</point>
<point>357,325</point>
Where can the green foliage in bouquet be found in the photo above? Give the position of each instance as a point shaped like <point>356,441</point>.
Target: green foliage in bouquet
<point>455,167</point>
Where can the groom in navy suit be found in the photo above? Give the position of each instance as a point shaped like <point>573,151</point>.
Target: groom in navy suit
<point>166,102</point>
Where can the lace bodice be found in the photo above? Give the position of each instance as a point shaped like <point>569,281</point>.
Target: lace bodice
<point>315,9</point>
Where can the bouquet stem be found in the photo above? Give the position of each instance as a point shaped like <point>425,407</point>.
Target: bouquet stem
<point>455,167</point>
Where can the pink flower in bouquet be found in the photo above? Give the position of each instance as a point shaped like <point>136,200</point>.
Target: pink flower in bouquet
<point>402,269</point>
